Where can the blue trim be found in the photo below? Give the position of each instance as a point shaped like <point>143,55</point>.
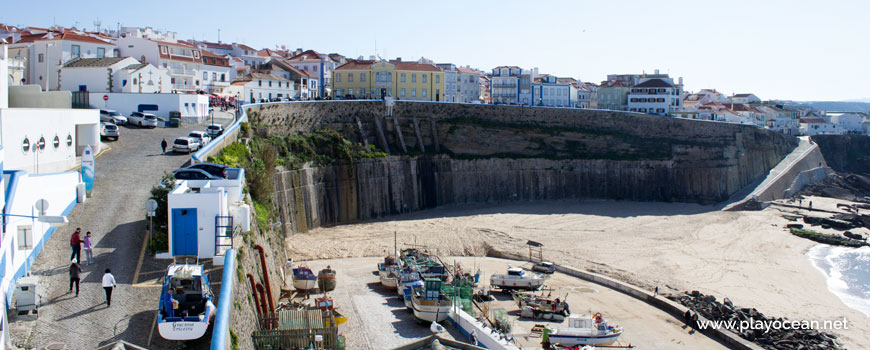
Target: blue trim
<point>34,253</point>
<point>222,315</point>
<point>11,186</point>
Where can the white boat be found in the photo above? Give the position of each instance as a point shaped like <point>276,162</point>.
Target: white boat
<point>408,282</point>
<point>516,278</point>
<point>186,314</point>
<point>303,278</point>
<point>388,272</point>
<point>428,303</point>
<point>586,330</point>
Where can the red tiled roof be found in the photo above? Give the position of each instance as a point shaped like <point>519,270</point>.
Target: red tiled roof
<point>178,43</point>
<point>467,70</point>
<point>356,65</point>
<point>400,65</point>
<point>217,45</point>
<point>246,47</point>
<point>307,54</point>
<point>64,36</point>
<point>812,121</point>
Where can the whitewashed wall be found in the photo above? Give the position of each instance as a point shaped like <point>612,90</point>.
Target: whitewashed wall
<point>33,123</point>
<point>190,105</point>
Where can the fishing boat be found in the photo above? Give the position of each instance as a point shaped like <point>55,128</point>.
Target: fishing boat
<point>388,272</point>
<point>428,303</point>
<point>187,311</point>
<point>327,306</point>
<point>326,279</point>
<point>303,278</point>
<point>541,303</point>
<point>516,278</point>
<point>409,281</point>
<point>585,330</point>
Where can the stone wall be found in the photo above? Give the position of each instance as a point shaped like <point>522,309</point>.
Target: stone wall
<point>459,153</point>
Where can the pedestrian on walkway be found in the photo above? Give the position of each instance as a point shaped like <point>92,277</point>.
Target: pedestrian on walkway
<point>163,145</point>
<point>76,243</point>
<point>109,284</point>
<point>74,271</point>
<point>89,252</point>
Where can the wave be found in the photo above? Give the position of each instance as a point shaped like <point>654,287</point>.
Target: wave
<point>848,273</point>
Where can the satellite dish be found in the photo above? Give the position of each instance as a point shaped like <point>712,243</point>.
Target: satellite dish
<point>151,205</point>
<point>42,206</point>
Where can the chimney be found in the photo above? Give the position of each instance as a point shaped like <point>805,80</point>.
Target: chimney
<point>681,80</point>
<point>657,72</point>
<point>399,59</point>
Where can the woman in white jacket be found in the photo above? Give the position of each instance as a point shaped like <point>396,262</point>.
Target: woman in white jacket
<point>108,285</point>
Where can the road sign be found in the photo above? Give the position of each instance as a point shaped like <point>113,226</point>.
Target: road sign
<point>42,206</point>
<point>151,205</point>
<point>105,97</point>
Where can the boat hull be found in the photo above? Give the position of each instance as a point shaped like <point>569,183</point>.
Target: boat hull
<point>182,330</point>
<point>389,282</point>
<point>518,284</point>
<point>429,313</point>
<point>304,284</point>
<point>576,339</point>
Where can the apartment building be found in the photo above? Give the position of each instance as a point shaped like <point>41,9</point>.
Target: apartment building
<point>399,79</point>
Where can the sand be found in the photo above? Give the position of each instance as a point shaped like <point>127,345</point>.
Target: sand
<point>746,256</point>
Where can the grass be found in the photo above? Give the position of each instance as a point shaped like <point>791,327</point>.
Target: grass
<point>263,214</point>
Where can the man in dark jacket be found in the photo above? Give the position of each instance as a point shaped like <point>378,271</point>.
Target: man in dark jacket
<point>163,145</point>
<point>74,271</point>
<point>76,243</point>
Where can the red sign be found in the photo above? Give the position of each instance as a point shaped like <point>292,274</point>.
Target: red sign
<point>105,97</point>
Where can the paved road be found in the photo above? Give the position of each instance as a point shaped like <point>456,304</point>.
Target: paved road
<point>115,216</point>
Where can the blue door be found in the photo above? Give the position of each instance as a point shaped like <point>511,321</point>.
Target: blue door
<point>184,231</point>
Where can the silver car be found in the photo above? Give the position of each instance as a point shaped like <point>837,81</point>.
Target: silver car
<point>109,131</point>
<point>111,116</point>
<point>186,145</point>
<point>201,136</point>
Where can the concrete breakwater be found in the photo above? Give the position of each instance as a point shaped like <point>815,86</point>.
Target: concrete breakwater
<point>456,153</point>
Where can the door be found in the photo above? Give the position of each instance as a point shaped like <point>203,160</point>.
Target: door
<point>184,231</point>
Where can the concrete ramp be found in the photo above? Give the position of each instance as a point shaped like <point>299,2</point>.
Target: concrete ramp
<point>803,166</point>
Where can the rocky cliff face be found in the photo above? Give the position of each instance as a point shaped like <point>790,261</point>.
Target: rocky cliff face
<point>456,153</point>
<point>846,153</point>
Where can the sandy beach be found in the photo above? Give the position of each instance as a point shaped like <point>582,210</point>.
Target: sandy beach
<point>746,256</point>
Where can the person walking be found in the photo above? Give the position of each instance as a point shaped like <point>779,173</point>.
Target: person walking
<point>108,285</point>
<point>163,145</point>
<point>75,243</point>
<point>89,252</point>
<point>74,271</point>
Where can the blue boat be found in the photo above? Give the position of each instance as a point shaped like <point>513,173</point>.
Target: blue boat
<point>303,278</point>
<point>187,312</point>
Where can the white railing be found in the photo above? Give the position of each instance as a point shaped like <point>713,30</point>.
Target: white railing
<point>183,72</point>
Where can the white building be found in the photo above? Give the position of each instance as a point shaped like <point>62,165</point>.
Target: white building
<point>848,122</point>
<point>818,126</point>
<point>320,66</point>
<point>512,85</point>
<point>182,60</point>
<point>655,96</point>
<point>745,98</point>
<point>216,72</point>
<point>204,213</point>
<point>249,55</point>
<point>48,52</point>
<point>113,74</point>
<point>461,84</point>
<point>31,137</point>
<point>260,87</point>
<point>548,91</point>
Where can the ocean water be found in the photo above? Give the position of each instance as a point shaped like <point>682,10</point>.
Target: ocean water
<point>848,273</point>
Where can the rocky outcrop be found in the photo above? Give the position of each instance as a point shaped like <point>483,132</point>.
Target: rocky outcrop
<point>846,153</point>
<point>753,325</point>
<point>460,153</point>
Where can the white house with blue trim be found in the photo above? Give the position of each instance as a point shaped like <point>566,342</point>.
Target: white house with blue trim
<point>203,214</point>
<point>548,91</point>
<point>25,134</point>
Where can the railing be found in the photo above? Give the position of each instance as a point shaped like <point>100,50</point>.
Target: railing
<point>496,86</point>
<point>183,72</point>
<point>183,87</point>
<point>225,223</point>
<point>222,315</point>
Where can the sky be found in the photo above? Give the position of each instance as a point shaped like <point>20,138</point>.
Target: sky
<point>798,50</point>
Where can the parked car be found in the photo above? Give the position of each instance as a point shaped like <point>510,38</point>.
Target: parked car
<point>214,130</point>
<point>202,136</point>
<point>192,174</point>
<point>109,131</point>
<point>143,119</point>
<point>111,116</point>
<point>186,145</point>
<point>216,170</point>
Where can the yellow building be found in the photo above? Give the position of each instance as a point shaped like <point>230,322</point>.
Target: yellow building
<point>377,79</point>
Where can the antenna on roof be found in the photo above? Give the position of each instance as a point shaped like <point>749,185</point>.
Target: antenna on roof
<point>97,24</point>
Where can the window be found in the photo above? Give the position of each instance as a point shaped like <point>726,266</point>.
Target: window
<point>315,69</point>
<point>223,77</point>
<point>204,75</point>
<point>134,81</point>
<point>340,92</point>
<point>349,77</point>
<point>259,83</point>
<point>414,78</point>
<point>350,91</point>
<point>403,79</point>
<point>270,83</point>
<point>25,145</point>
<point>424,78</point>
<point>101,52</point>
<point>362,91</point>
<point>76,51</point>
<point>163,50</point>
<point>424,90</point>
<point>384,77</point>
<point>338,78</point>
<point>40,57</point>
<point>437,79</point>
<point>25,237</point>
<point>413,91</point>
<point>213,75</point>
<point>362,77</point>
<point>402,93</point>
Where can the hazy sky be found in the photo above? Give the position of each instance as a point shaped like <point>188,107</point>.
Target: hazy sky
<point>798,49</point>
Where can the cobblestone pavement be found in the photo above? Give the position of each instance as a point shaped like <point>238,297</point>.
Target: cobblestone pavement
<point>115,215</point>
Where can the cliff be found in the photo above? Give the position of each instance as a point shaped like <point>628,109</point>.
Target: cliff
<point>459,153</point>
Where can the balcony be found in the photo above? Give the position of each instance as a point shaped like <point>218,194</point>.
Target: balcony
<point>183,72</point>
<point>496,86</point>
<point>183,87</point>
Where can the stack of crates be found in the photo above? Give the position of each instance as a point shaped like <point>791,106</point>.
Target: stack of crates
<point>432,286</point>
